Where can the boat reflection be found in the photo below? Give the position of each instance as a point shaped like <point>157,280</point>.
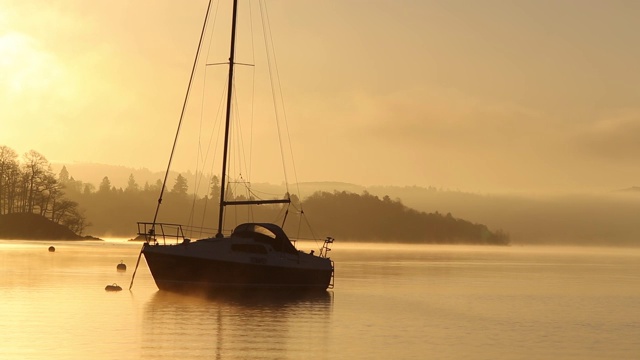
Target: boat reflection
<point>268,298</point>
<point>236,325</point>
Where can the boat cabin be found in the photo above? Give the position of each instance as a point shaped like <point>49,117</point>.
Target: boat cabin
<point>266,233</point>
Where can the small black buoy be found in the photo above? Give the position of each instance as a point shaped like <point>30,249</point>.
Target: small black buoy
<point>121,266</point>
<point>52,249</point>
<point>113,287</point>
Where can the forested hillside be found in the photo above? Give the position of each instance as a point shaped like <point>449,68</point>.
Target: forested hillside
<point>588,218</point>
<point>367,217</point>
<point>344,215</point>
<point>31,186</point>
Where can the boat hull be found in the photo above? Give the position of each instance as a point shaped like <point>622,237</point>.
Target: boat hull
<point>173,272</point>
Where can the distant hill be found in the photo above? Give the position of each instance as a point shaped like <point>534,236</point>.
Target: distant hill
<point>27,226</point>
<point>119,176</point>
<point>366,217</point>
<point>592,218</point>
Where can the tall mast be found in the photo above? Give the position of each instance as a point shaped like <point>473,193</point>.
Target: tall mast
<point>228,117</point>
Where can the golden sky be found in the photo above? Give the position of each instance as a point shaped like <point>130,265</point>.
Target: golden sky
<point>483,96</point>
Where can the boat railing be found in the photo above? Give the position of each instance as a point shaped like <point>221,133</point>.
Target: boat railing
<point>333,270</point>
<point>153,232</point>
<point>326,247</point>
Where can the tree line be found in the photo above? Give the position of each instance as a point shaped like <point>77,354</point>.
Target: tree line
<point>341,214</point>
<point>28,185</point>
<point>31,186</point>
<point>116,210</point>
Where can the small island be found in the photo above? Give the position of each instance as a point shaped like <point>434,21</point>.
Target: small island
<point>29,226</point>
<point>33,205</point>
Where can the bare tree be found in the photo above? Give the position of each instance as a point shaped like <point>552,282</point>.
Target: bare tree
<point>75,221</point>
<point>62,210</point>
<point>12,187</point>
<point>35,168</point>
<point>8,166</point>
<point>54,193</point>
<point>48,192</point>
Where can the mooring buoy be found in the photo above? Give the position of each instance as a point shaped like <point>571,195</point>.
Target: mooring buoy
<point>113,287</point>
<point>121,266</point>
<point>52,249</point>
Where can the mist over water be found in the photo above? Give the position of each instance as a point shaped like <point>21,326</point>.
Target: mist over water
<point>390,301</point>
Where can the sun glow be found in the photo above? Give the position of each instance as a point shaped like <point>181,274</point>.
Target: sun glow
<point>33,81</point>
<point>25,67</point>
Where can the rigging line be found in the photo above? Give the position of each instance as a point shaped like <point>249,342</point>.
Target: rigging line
<point>220,129</point>
<point>284,110</point>
<point>216,135</point>
<point>175,140</point>
<point>256,192</point>
<point>299,224</point>
<point>279,215</point>
<point>265,26</point>
<point>184,107</point>
<point>202,158</point>
<point>213,130</point>
<point>192,213</point>
<point>198,179</point>
<point>252,194</point>
<point>227,63</point>
<point>238,134</point>
<point>234,19</point>
<point>264,30</point>
<point>204,87</point>
<point>313,235</point>
<point>253,91</point>
<point>204,211</point>
<point>199,156</point>
<point>213,28</point>
<point>241,161</point>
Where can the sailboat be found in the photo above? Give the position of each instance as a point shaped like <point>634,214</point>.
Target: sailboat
<point>254,256</point>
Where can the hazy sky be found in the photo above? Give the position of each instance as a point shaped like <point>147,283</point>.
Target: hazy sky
<point>471,95</point>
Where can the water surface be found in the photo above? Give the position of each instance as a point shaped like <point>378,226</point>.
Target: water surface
<point>401,302</point>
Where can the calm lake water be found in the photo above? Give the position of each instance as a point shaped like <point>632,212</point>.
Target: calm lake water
<point>390,302</point>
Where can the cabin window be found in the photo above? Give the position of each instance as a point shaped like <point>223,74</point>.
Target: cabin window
<point>249,248</point>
